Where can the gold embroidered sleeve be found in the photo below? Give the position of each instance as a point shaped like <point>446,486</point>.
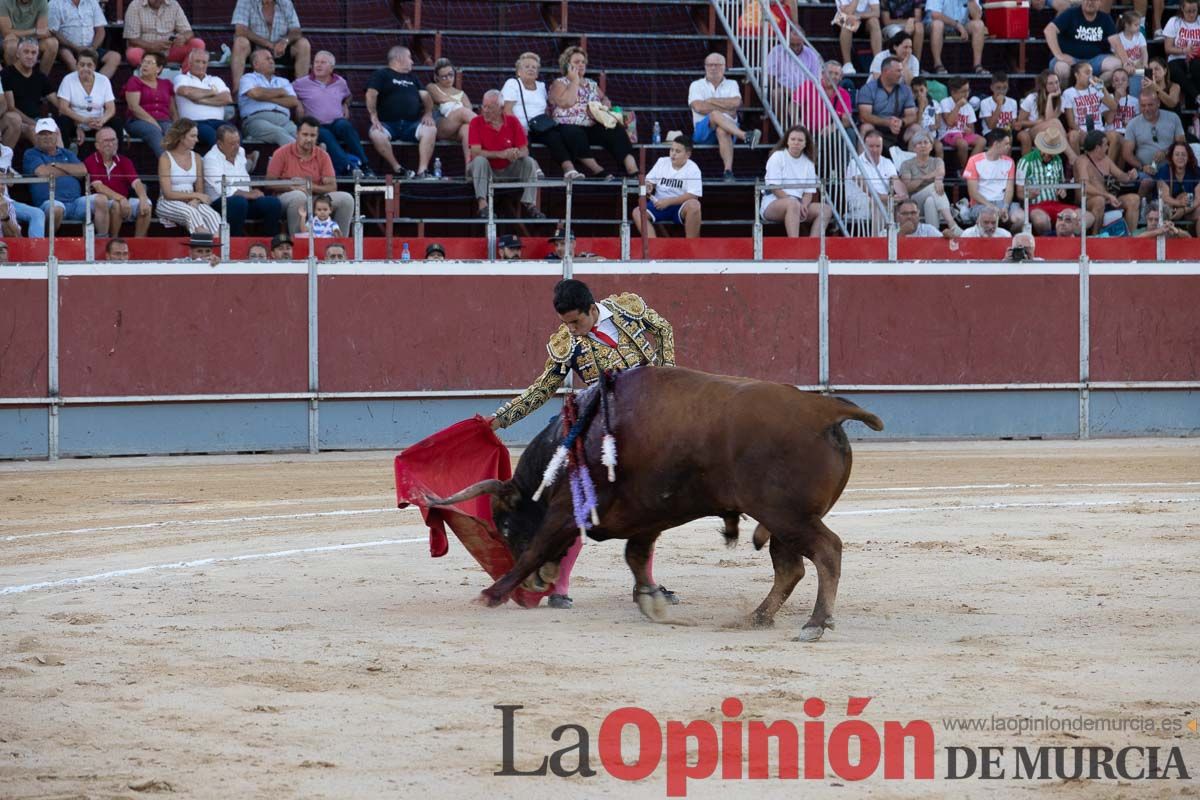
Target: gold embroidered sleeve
<point>535,396</point>
<point>664,334</point>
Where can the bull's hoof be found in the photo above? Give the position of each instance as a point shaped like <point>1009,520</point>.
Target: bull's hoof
<point>548,572</point>
<point>761,621</point>
<point>652,603</point>
<point>488,599</point>
<point>810,633</point>
<point>534,584</point>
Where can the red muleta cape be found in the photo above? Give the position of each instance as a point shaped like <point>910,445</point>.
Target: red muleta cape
<point>446,462</point>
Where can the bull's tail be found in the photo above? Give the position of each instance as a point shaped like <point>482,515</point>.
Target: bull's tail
<point>849,410</point>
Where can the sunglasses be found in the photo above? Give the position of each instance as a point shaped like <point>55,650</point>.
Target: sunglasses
<point>445,76</point>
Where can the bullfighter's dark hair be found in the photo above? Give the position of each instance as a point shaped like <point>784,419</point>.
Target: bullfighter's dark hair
<point>572,295</point>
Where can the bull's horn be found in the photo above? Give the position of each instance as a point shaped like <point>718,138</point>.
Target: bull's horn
<point>491,486</point>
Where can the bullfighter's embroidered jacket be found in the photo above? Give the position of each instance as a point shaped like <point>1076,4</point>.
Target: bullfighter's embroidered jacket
<point>588,357</point>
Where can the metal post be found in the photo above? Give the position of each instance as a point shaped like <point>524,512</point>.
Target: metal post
<point>314,443</point>
<point>50,224</point>
<point>89,227</point>
<point>1085,345</point>
<point>646,221</point>
<point>568,241</point>
<point>1083,226</point>
<point>758,226</point>
<point>225,245</point>
<point>625,231</point>
<point>823,318</point>
<point>52,386</point>
<point>891,229</point>
<point>824,196</point>
<point>491,222</point>
<point>357,228</point>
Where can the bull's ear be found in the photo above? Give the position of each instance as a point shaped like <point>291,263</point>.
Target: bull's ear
<point>507,496</point>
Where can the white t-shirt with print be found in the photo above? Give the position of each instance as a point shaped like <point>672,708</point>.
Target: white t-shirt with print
<point>993,176</point>
<point>966,117</point>
<point>1135,47</point>
<point>670,182</point>
<point>1186,35</point>
<point>1087,104</point>
<point>1008,113</point>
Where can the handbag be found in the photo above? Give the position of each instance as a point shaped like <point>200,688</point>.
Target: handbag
<point>602,115</point>
<point>539,124</point>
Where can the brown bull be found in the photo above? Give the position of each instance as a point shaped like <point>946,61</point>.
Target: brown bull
<point>693,445</point>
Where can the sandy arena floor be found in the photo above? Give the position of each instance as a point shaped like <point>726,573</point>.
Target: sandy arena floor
<point>269,627</point>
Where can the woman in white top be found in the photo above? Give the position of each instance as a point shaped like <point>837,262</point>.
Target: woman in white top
<point>792,185</point>
<point>1181,40</point>
<point>525,98</point>
<point>899,47</point>
<point>182,200</point>
<point>674,187</point>
<point>1088,105</point>
<point>451,107</point>
<point>86,100</point>
<point>1040,110</point>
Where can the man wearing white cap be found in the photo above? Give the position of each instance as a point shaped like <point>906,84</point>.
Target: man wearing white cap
<point>48,160</point>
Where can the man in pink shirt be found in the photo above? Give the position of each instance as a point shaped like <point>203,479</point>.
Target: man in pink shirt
<point>114,176</point>
<point>326,97</point>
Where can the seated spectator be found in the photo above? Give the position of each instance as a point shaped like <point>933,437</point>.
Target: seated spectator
<point>48,159</point>
<point>435,252</point>
<point>1156,226</point>
<point>451,107</point>
<point>899,47</point>
<point>1081,33</point>
<point>561,244</point>
<point>887,106</point>
<point>958,121</point>
<point>508,247</point>
<point>1101,180</point>
<point>81,25</point>
<point>3,252</point>
<point>1043,167</point>
<point>870,178</point>
<point>929,117</point>
<point>907,14</point>
<point>13,212</point>
<point>227,159</point>
<point>280,36</point>
<point>150,100</point>
<point>28,18</point>
<point>85,101</point>
<point>1181,39</point>
<point>116,250</point>
<point>987,226</point>
<point>202,98</point>
<point>200,248</point>
<point>181,199</point>
<point>266,102</point>
<point>401,110</point>
<point>1177,180</point>
<point>1127,108</point>
<point>28,94</point>
<point>794,64</point>
<point>1147,137</point>
<point>525,98</point>
<point>791,193</point>
<point>924,178</point>
<point>1129,46</point>
<point>1042,110</point>
<point>322,225</point>
<point>1023,248</point>
<point>113,176</point>
<point>714,100</point>
<point>908,222</point>
<point>674,187</point>
<point>303,159</point>
<point>158,26</point>
<point>257,252</point>
<point>813,109</point>
<point>991,177</point>
<point>997,110</point>
<point>1085,103</point>
<point>326,97</point>
<point>1066,224</point>
<point>570,97</point>
<point>335,253</point>
<point>499,150</point>
<point>852,16</point>
<point>1169,93</point>
<point>963,16</point>
<point>281,247</point>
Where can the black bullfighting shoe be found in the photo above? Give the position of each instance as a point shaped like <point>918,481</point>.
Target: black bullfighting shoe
<point>560,601</point>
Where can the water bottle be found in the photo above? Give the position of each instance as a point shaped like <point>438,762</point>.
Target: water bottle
<point>656,137</point>
<point>437,168</point>
<point>405,255</point>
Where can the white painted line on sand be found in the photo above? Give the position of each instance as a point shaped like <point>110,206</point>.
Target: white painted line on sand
<point>202,562</point>
<point>972,486</point>
<point>866,512</point>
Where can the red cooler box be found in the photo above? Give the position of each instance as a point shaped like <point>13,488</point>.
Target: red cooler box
<point>1007,19</point>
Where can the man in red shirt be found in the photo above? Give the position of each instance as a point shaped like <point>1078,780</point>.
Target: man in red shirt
<point>499,149</point>
<point>114,176</point>
<point>303,159</point>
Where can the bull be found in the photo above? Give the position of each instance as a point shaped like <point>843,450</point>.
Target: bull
<point>692,445</point>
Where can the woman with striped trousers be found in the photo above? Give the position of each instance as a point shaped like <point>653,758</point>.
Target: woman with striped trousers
<point>181,182</point>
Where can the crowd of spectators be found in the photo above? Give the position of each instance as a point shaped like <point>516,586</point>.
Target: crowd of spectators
<point>1105,116</point>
